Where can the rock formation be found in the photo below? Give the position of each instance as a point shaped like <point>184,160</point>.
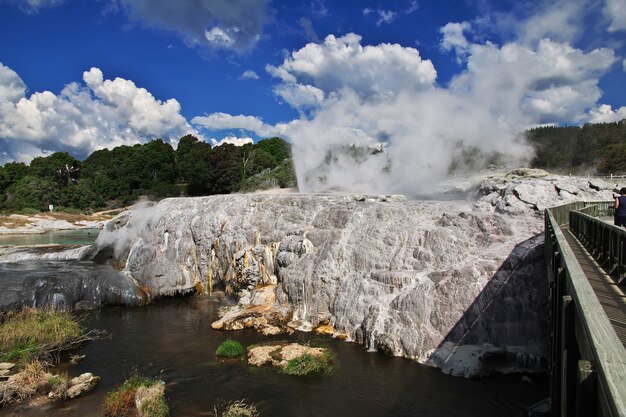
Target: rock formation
<point>454,284</point>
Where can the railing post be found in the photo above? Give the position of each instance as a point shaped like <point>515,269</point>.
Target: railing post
<point>586,390</point>
<point>567,332</point>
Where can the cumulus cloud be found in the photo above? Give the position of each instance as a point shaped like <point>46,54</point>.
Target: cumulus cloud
<point>453,38</point>
<point>552,82</point>
<point>83,118</point>
<point>319,71</point>
<point>615,10</point>
<point>225,121</point>
<point>233,140</point>
<point>606,114</point>
<point>34,6</point>
<point>234,24</point>
<point>12,88</point>
<point>249,75</point>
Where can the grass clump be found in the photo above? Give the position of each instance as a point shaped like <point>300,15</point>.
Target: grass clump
<point>32,379</point>
<point>33,333</point>
<point>230,349</point>
<point>122,400</point>
<point>308,364</point>
<point>239,408</point>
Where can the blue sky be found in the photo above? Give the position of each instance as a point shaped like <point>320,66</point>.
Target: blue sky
<point>80,75</point>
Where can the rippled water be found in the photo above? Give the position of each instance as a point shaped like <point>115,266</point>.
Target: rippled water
<point>57,237</point>
<point>173,339</point>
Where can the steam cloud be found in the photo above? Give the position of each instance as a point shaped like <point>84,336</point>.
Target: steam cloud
<point>357,100</point>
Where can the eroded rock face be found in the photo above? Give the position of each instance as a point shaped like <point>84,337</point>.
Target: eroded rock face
<point>454,284</point>
<point>71,285</point>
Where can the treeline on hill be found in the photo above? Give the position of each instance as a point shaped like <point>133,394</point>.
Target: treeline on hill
<point>115,178</point>
<point>592,148</point>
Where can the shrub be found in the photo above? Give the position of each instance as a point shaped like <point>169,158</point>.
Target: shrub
<point>307,364</point>
<point>30,334</point>
<point>230,349</point>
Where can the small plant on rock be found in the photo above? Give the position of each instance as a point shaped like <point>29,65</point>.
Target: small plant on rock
<point>307,364</point>
<point>230,349</point>
<point>122,400</point>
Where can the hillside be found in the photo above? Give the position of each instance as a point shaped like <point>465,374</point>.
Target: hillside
<point>592,148</point>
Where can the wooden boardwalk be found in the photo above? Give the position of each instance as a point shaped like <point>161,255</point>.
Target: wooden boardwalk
<point>609,294</point>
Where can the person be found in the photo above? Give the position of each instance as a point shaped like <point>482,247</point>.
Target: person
<point>620,208</point>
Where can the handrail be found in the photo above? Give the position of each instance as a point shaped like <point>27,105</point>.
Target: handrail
<point>604,241</point>
<point>582,335</point>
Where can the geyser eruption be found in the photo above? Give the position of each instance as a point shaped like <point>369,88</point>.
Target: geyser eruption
<point>403,144</point>
<point>428,131</point>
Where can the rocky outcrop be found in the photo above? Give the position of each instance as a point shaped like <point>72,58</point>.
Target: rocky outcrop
<point>527,191</point>
<point>72,285</point>
<point>456,284</point>
<point>280,354</point>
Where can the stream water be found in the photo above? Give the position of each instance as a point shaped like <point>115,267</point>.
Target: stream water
<point>55,237</point>
<point>173,340</point>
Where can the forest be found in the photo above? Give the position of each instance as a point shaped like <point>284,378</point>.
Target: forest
<point>114,178</point>
<point>589,149</point>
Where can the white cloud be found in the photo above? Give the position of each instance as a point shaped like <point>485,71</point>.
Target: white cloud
<point>224,121</point>
<point>318,71</point>
<point>249,75</point>
<point>233,140</point>
<point>81,119</point>
<point>233,24</point>
<point>33,6</point>
<point>551,82</point>
<point>221,37</point>
<point>605,114</point>
<point>386,16</point>
<point>12,88</point>
<point>454,39</point>
<point>413,6</point>
<point>560,20</point>
<point>624,64</point>
<point>615,10</point>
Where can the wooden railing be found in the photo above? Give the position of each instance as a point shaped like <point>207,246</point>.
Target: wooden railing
<point>588,361</point>
<point>604,241</point>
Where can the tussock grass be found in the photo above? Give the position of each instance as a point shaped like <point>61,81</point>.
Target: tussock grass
<point>239,408</point>
<point>230,349</point>
<point>25,384</point>
<point>307,364</point>
<point>121,401</point>
<point>31,333</point>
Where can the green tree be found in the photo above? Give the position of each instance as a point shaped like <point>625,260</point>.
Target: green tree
<point>32,192</point>
<point>60,166</point>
